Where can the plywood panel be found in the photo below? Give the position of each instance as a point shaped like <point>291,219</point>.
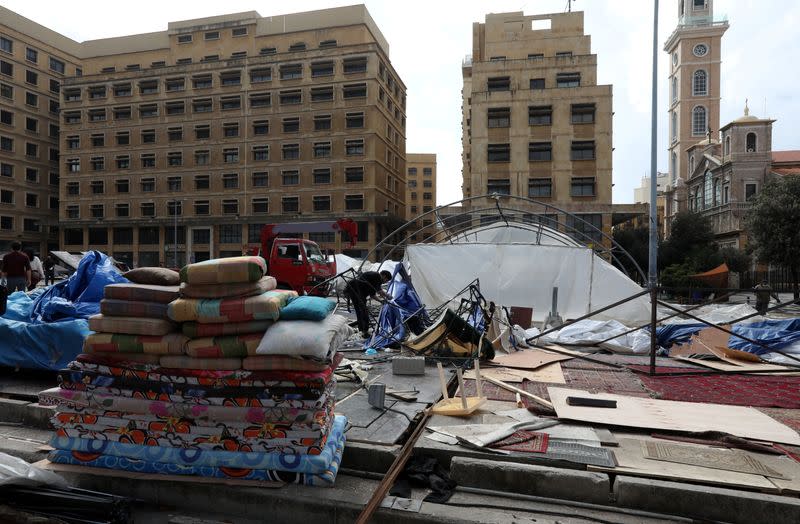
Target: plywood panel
<point>550,373</point>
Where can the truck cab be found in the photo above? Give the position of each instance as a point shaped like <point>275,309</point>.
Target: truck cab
<point>300,265</point>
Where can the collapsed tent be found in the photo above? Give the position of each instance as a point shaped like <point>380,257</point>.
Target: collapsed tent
<point>525,274</point>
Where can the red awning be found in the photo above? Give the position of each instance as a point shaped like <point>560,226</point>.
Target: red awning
<point>717,277</point>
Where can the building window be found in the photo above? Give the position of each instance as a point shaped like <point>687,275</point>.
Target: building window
<point>7,45</point>
<point>582,186</point>
<point>174,183</point>
<point>583,113</point>
<point>261,127</point>
<point>263,74</point>
<point>260,100</point>
<point>57,65</point>
<point>175,84</point>
<point>297,46</point>
<point>202,157</point>
<point>31,200</point>
<point>327,43</point>
<point>290,97</point>
<point>500,186</point>
<point>291,151</point>
<point>750,190</point>
<point>201,207</point>
<point>123,235</point>
<point>147,209</point>
<point>123,186</point>
<point>123,162</point>
<point>145,111</point>
<point>498,152</point>
<point>322,94</point>
<point>31,174</point>
<point>427,196</point>
<point>291,71</point>
<point>148,87</point>
<point>73,165</point>
<point>124,113</point>
<point>260,206</point>
<point>540,115</point>
<point>568,80</point>
<point>202,81</point>
<point>148,185</point>
<point>291,125</point>
<point>121,211</point>
<point>700,83</point>
<point>260,179</point>
<point>72,212</point>
<point>674,88</point>
<point>230,156</point>
<point>7,170</point>
<point>98,187</point>
<point>319,69</point>
<point>674,125</point>
<point>98,163</point>
<point>699,125</point>
<point>73,188</point>
<point>260,153</point>
<point>6,196</point>
<point>321,203</point>
<point>290,204</point>
<point>582,150</point>
<point>354,147</point>
<point>355,65</point>
<point>230,129</point>
<point>230,78</point>
<point>32,125</point>
<point>31,77</point>
<point>268,51</point>
<point>201,236</point>
<point>174,208</point>
<point>230,181</point>
<point>202,132</point>
<point>727,145</point>
<point>175,134</point>
<point>354,91</point>
<point>540,188</point>
<point>322,175</point>
<point>322,149</point>
<point>751,142</point>
<point>174,158</point>
<point>499,117</point>
<point>354,120</point>
<point>353,174</point>
<point>211,35</point>
<point>6,143</point>
<point>353,202</point>
<point>498,83</point>
<point>119,90</point>
<point>97,210</point>
<point>175,108</point>
<point>6,91</point>
<point>322,122</point>
<point>72,117</point>
<point>201,182</point>
<point>53,204</point>
<point>586,227</point>
<point>290,178</point>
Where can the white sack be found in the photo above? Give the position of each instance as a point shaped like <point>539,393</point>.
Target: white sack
<point>305,337</point>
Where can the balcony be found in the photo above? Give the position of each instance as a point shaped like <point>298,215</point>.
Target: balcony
<point>727,218</point>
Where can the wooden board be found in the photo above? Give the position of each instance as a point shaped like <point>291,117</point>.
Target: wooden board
<point>103,472</point>
<point>631,461</point>
<point>673,415</point>
<point>527,359</point>
<point>550,373</point>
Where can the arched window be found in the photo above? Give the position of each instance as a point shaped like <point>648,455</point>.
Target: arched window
<point>727,145</point>
<point>674,165</point>
<point>699,121</point>
<point>699,83</point>
<point>674,126</point>
<point>708,191</point>
<point>751,142</point>
<point>691,165</point>
<point>674,88</point>
<point>717,192</point>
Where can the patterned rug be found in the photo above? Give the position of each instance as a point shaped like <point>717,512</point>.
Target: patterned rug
<point>525,441</point>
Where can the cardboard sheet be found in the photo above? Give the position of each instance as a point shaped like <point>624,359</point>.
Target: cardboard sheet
<point>726,366</point>
<point>701,343</point>
<point>674,416</point>
<point>527,359</point>
<point>550,373</point>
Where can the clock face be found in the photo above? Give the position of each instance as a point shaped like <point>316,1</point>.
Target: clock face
<point>700,50</point>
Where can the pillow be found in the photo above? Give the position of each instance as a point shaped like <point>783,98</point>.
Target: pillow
<point>308,308</point>
<point>197,330</point>
<point>225,270</point>
<point>131,325</point>
<point>156,276</point>
<point>236,289</point>
<point>141,293</point>
<point>305,337</point>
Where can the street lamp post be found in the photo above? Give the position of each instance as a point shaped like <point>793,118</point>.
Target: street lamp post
<point>175,232</point>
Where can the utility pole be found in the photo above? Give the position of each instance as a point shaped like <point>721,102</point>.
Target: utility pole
<point>652,273</point>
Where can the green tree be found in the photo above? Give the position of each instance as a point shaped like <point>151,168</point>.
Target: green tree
<point>691,243</point>
<point>737,260</point>
<point>635,242</point>
<point>772,225</point>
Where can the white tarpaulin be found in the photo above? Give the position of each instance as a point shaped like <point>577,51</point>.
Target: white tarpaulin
<point>524,275</point>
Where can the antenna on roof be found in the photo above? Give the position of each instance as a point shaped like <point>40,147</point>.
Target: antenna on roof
<point>569,5</point>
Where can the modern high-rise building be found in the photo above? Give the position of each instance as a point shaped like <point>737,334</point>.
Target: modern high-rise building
<point>420,193</point>
<point>535,122</point>
<point>34,61</point>
<point>191,139</point>
<point>695,56</point>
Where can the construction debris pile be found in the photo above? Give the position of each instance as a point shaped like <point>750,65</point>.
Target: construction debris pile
<point>248,396</point>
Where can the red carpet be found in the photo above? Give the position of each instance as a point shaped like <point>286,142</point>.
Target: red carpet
<point>778,391</point>
<point>525,441</point>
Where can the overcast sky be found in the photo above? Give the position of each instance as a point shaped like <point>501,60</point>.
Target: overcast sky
<point>428,40</point>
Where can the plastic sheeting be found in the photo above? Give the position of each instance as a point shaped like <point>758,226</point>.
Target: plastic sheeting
<point>589,332</point>
<point>775,334</point>
<point>344,262</point>
<point>524,275</point>
<point>405,305</point>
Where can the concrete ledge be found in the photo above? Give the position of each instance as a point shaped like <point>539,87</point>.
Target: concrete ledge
<point>705,502</point>
<point>12,410</point>
<point>529,479</point>
<point>375,458</point>
<point>37,416</point>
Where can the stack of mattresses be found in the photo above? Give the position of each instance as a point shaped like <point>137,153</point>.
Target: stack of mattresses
<point>218,410</point>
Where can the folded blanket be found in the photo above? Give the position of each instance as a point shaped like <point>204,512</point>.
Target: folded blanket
<point>289,363</point>
<point>170,344</point>
<point>113,307</point>
<point>305,337</point>
<point>225,270</point>
<point>227,290</point>
<point>266,306</point>
<point>228,459</point>
<point>197,330</point>
<point>141,292</point>
<point>131,325</point>
<point>180,361</point>
<point>324,478</point>
<point>226,346</point>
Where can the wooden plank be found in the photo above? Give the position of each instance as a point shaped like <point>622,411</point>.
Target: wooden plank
<point>674,416</point>
<point>538,400</point>
<point>527,359</point>
<point>549,373</point>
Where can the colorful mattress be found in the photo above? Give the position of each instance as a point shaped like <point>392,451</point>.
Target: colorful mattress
<point>266,306</point>
<point>113,307</point>
<point>290,363</point>
<point>122,359</point>
<point>216,364</point>
<point>142,292</point>
<point>131,325</point>
<point>290,473</point>
<point>197,330</point>
<point>225,270</point>
<point>301,463</point>
<point>233,289</point>
<point>224,346</point>
<point>171,344</point>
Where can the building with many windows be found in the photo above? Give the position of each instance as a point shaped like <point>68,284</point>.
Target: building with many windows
<point>190,139</point>
<point>34,61</point>
<point>535,122</point>
<point>420,193</point>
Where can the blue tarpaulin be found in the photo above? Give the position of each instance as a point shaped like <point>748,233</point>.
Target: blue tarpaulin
<point>775,334</point>
<point>46,330</point>
<point>406,305</point>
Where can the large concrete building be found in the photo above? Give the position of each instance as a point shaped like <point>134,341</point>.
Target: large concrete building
<point>420,193</point>
<point>191,139</point>
<point>535,122</point>
<point>34,61</point>
<point>695,56</point>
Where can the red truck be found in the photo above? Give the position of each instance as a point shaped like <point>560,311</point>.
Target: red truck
<point>297,263</point>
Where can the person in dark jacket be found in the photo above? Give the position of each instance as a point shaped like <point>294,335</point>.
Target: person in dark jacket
<point>358,290</point>
<point>763,293</point>
<point>49,270</point>
<point>17,269</point>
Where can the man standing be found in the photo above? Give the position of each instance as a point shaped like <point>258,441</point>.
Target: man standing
<point>763,293</point>
<point>49,270</point>
<point>367,284</point>
<point>16,269</point>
